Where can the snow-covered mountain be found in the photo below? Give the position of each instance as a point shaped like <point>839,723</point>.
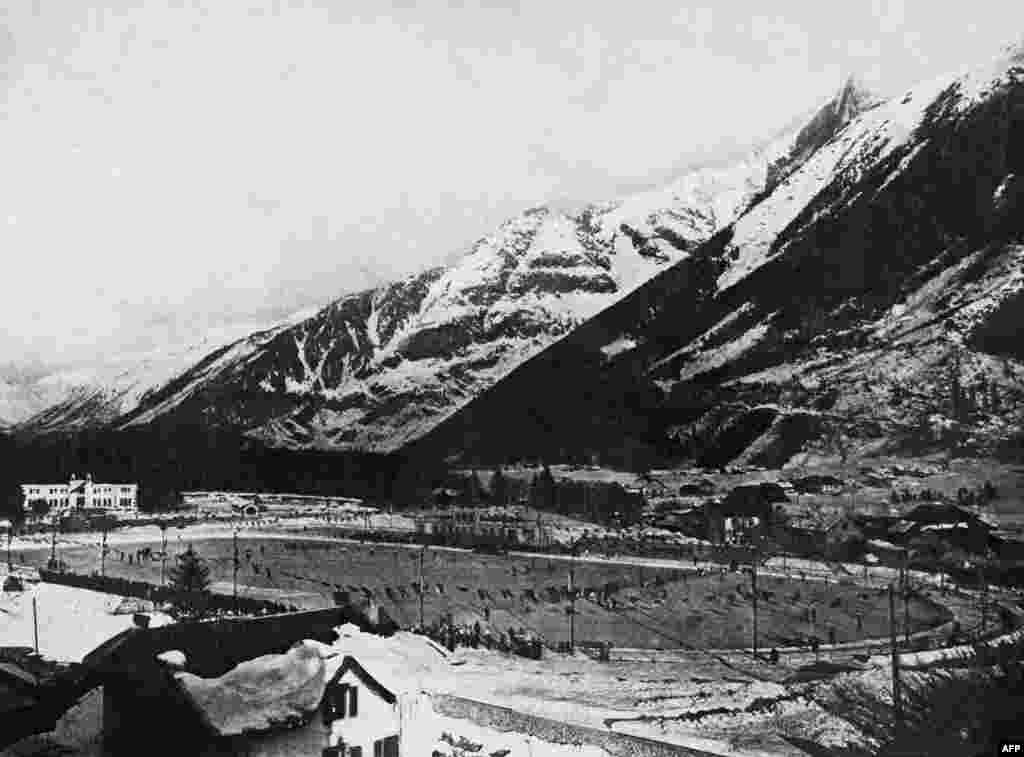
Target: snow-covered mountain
<point>871,298</point>
<point>378,369</point>
<point>95,394</point>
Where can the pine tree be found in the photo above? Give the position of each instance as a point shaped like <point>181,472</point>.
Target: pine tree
<point>190,579</point>
<point>40,508</point>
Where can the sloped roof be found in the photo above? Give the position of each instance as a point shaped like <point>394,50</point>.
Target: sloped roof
<point>260,694</point>
<point>350,663</point>
<point>278,691</point>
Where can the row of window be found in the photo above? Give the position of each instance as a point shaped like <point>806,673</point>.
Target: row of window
<point>57,490</point>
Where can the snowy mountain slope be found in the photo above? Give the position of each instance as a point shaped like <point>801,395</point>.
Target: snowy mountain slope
<point>91,395</point>
<point>868,298</point>
<point>378,369</point>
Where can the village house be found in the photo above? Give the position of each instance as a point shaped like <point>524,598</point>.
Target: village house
<point>136,674</point>
<point>312,700</point>
<point>747,512</point>
<point>82,493</point>
<point>934,528</point>
<point>277,686</point>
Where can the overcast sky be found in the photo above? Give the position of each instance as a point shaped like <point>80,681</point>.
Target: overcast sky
<point>169,167</point>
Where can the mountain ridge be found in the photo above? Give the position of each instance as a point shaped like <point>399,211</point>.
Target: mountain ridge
<point>377,369</point>
<point>765,342</point>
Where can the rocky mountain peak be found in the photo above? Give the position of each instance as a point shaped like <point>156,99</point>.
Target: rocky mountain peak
<point>867,302</point>
<point>377,369</point>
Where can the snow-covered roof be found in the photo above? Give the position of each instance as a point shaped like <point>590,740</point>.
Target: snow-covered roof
<point>402,663</point>
<point>276,691</point>
<point>260,694</point>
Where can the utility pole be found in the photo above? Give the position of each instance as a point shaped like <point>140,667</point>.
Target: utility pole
<point>572,605</point>
<point>163,551</point>
<point>896,700</point>
<point>906,614</point>
<point>753,586</point>
<point>905,590</point>
<point>103,552</point>
<point>983,599</point>
<point>423,552</point>
<point>234,573</point>
<point>814,629</point>
<point>10,536</point>
<point>53,546</point>
<point>35,624</point>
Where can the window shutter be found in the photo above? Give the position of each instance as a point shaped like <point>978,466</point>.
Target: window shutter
<point>378,749</point>
<point>356,751</point>
<point>334,707</point>
<point>353,701</point>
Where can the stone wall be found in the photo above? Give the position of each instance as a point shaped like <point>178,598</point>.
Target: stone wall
<point>556,732</point>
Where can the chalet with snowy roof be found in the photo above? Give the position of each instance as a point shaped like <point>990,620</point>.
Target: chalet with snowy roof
<point>941,530</point>
<point>82,493</point>
<point>287,685</point>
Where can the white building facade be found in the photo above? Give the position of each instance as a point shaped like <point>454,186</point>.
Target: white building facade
<point>82,493</point>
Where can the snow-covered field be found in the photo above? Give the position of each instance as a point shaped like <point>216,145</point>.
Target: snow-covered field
<point>72,622</point>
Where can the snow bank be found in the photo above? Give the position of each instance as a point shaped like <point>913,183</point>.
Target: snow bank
<point>454,737</point>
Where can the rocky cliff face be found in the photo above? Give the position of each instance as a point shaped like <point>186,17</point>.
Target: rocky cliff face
<point>864,303</point>
<point>378,369</point>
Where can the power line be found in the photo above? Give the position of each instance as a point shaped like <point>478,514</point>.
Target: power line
<point>681,642</point>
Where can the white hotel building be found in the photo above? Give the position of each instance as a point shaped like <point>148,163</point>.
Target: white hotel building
<point>83,493</point>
